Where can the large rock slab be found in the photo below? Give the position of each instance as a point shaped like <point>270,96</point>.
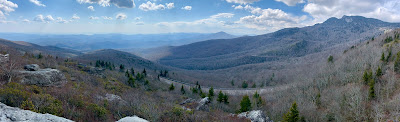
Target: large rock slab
<point>32,67</point>
<point>255,116</point>
<point>132,119</point>
<point>203,104</point>
<point>11,114</point>
<point>43,77</point>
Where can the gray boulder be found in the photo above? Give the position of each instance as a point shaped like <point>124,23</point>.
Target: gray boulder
<point>10,114</point>
<point>43,77</point>
<point>255,116</point>
<point>32,67</point>
<point>203,104</point>
<point>132,119</point>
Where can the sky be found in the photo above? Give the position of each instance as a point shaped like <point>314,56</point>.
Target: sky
<point>175,16</point>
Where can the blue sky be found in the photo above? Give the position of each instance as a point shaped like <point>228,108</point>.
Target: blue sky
<point>171,16</point>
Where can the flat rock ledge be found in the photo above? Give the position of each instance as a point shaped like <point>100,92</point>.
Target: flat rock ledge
<point>12,114</point>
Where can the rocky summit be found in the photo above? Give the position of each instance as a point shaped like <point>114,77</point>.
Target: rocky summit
<point>43,77</point>
<point>11,114</point>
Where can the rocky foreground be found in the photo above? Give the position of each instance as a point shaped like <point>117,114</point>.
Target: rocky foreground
<point>10,114</point>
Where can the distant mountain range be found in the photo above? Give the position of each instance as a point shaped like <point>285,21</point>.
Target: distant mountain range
<point>114,41</point>
<point>283,44</point>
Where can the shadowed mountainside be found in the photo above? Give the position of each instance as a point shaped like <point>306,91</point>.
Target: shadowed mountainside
<point>280,45</point>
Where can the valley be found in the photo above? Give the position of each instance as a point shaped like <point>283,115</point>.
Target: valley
<point>344,69</point>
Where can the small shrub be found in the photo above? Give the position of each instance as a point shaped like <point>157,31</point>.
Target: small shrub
<point>98,111</point>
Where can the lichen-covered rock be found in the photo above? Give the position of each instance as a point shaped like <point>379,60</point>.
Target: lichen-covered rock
<point>43,77</point>
<point>202,103</point>
<point>255,116</point>
<point>32,67</point>
<point>132,119</point>
<point>11,114</point>
<point>3,58</point>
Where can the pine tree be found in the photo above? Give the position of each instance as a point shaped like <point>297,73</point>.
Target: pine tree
<point>225,99</point>
<point>183,90</point>
<point>330,59</point>
<point>211,92</point>
<point>146,82</point>
<point>254,85</point>
<point>131,81</point>
<point>256,95</point>
<point>388,57</point>
<point>318,100</point>
<point>245,104</point>
<point>292,115</point>
<point>379,72</point>
<point>40,56</point>
<point>260,102</point>
<point>371,90</point>
<point>171,87</point>
<point>127,74</point>
<point>121,67</point>
<point>365,77</point>
<point>232,83</point>
<point>132,71</point>
<point>220,97</point>
<point>397,64</point>
<point>383,56</point>
<point>244,84</point>
<point>144,72</point>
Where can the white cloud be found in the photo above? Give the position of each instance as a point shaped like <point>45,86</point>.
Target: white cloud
<point>93,17</point>
<point>291,2</point>
<point>107,18</point>
<point>39,18</point>
<point>238,7</point>
<point>149,6</point>
<point>49,18</point>
<point>187,8</point>
<point>270,19</point>
<point>121,16</point>
<point>242,1</point>
<point>139,23</point>
<point>91,8</point>
<point>75,17</point>
<point>105,3</point>
<point>38,3</point>
<point>61,20</point>
<point>26,20</point>
<point>6,7</point>
<point>387,10</point>
<point>223,15</point>
<point>138,18</point>
<point>170,5</point>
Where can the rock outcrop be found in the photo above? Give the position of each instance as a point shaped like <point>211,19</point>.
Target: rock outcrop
<point>255,116</point>
<point>32,67</point>
<point>203,104</point>
<point>43,77</point>
<point>132,119</point>
<point>3,58</point>
<point>10,114</point>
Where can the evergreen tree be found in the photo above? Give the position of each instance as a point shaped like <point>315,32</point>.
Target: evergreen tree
<point>127,74</point>
<point>132,71</point>
<point>183,90</point>
<point>292,115</point>
<point>318,100</point>
<point>330,59</point>
<point>171,87</point>
<point>211,92</point>
<point>256,95</point>
<point>388,57</point>
<point>146,82</point>
<point>232,83</point>
<point>379,72</point>
<point>383,56</point>
<point>244,84</point>
<point>220,97</point>
<point>397,63</point>
<point>254,85</point>
<point>121,67</point>
<point>40,56</point>
<point>131,81</point>
<point>365,77</point>
<point>225,99</point>
<point>245,104</point>
<point>144,72</point>
<point>259,102</point>
<point>194,90</point>
<point>371,90</point>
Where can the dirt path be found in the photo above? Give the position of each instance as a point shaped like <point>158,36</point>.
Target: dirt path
<point>230,91</point>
